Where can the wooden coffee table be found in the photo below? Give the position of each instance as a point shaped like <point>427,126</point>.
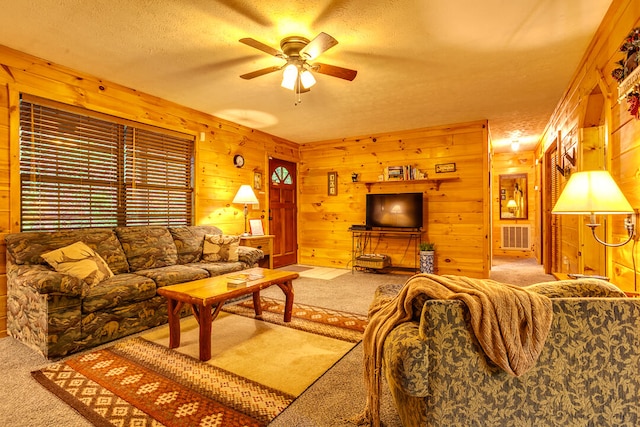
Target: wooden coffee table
<point>203,294</point>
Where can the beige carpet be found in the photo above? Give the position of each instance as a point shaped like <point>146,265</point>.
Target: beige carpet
<point>324,273</point>
<point>518,271</point>
<point>276,356</point>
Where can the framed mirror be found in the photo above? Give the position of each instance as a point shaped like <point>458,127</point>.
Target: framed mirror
<point>513,196</point>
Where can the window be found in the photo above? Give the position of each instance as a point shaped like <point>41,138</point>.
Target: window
<point>84,169</point>
<point>281,175</point>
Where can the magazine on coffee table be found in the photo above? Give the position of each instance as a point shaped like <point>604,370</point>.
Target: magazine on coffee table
<point>241,279</point>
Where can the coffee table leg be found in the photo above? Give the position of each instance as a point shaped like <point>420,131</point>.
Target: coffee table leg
<point>287,288</point>
<point>205,320</point>
<point>257,307</point>
<point>173,307</point>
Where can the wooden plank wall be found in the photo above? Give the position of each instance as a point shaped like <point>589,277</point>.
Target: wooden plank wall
<point>4,201</point>
<point>216,179</point>
<point>457,214</point>
<point>510,163</point>
<point>621,135</point>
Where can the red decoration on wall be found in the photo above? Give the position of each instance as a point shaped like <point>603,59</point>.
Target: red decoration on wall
<point>633,99</point>
<point>626,66</point>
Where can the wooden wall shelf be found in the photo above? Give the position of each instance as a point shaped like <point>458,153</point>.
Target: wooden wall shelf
<point>437,181</point>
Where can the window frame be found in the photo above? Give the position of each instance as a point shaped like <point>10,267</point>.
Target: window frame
<point>113,175</point>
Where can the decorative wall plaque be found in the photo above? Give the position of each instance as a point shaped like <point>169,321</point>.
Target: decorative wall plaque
<point>445,167</point>
<point>332,183</point>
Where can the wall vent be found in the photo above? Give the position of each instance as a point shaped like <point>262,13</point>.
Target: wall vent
<point>515,237</point>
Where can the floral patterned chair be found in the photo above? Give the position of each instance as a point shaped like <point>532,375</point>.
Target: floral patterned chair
<point>586,375</point>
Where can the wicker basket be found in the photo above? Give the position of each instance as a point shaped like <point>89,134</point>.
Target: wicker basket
<point>374,261</point>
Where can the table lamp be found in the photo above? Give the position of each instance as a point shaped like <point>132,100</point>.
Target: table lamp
<point>595,193</point>
<point>246,196</point>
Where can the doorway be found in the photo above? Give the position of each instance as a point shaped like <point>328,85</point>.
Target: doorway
<point>283,222</point>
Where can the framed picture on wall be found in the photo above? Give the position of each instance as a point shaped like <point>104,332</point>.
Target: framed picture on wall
<point>256,227</point>
<point>332,183</point>
<point>257,181</point>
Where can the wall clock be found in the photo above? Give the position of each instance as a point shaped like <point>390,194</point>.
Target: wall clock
<point>238,160</point>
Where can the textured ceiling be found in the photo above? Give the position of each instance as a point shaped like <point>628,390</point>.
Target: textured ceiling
<point>420,63</point>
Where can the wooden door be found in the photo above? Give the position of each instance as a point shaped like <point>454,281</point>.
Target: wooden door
<point>283,212</point>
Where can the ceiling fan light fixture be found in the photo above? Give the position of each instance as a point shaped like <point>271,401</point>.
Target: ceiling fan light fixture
<point>307,79</point>
<point>289,77</point>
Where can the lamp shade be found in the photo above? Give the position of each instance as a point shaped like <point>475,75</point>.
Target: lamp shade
<point>512,204</point>
<point>592,192</point>
<point>307,79</point>
<point>245,196</point>
<point>289,76</point>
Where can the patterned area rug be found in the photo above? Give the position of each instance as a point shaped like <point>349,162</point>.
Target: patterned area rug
<point>140,383</point>
<point>322,321</point>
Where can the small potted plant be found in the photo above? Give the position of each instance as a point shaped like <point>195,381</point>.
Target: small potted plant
<point>427,257</point>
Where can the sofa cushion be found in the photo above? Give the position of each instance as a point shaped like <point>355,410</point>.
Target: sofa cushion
<point>580,288</point>
<point>218,247</point>
<point>27,247</point>
<point>218,268</point>
<point>189,241</point>
<point>123,320</point>
<point>79,260</point>
<point>173,274</point>
<point>118,290</point>
<point>147,246</point>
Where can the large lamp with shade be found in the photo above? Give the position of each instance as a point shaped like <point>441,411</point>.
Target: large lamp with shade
<point>245,196</point>
<point>595,193</point>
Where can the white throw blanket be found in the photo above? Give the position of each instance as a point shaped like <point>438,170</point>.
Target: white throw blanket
<point>511,323</point>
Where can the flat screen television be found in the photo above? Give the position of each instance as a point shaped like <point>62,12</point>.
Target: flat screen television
<point>399,210</point>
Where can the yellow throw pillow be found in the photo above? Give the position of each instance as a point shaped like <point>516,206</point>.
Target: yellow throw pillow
<point>218,247</point>
<point>79,260</point>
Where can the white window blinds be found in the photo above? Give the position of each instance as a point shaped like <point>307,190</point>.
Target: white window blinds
<point>84,169</point>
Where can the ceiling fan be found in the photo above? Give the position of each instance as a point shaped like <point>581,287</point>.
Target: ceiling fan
<point>297,51</point>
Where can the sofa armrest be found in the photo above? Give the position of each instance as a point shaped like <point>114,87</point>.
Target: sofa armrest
<point>249,255</point>
<point>43,280</point>
<point>405,358</point>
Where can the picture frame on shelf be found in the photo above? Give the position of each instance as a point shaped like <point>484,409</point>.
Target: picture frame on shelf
<point>256,227</point>
<point>332,183</point>
<point>445,167</point>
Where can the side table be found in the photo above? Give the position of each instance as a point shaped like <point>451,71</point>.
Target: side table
<point>264,243</point>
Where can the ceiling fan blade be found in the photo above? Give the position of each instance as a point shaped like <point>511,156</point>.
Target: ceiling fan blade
<point>317,46</point>
<point>332,70</point>
<point>261,46</point>
<point>259,73</point>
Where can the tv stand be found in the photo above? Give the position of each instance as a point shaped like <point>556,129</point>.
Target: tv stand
<point>361,245</point>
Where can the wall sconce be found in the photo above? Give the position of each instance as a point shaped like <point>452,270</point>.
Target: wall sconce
<point>246,196</point>
<point>595,193</point>
<point>566,170</point>
<point>515,145</point>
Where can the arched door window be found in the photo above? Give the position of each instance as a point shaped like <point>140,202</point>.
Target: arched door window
<point>281,175</point>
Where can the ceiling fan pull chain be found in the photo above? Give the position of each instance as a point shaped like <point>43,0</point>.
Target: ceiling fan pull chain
<point>297,92</point>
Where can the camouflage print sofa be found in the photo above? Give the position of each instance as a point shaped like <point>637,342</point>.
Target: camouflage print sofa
<point>58,314</point>
<point>586,375</point>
